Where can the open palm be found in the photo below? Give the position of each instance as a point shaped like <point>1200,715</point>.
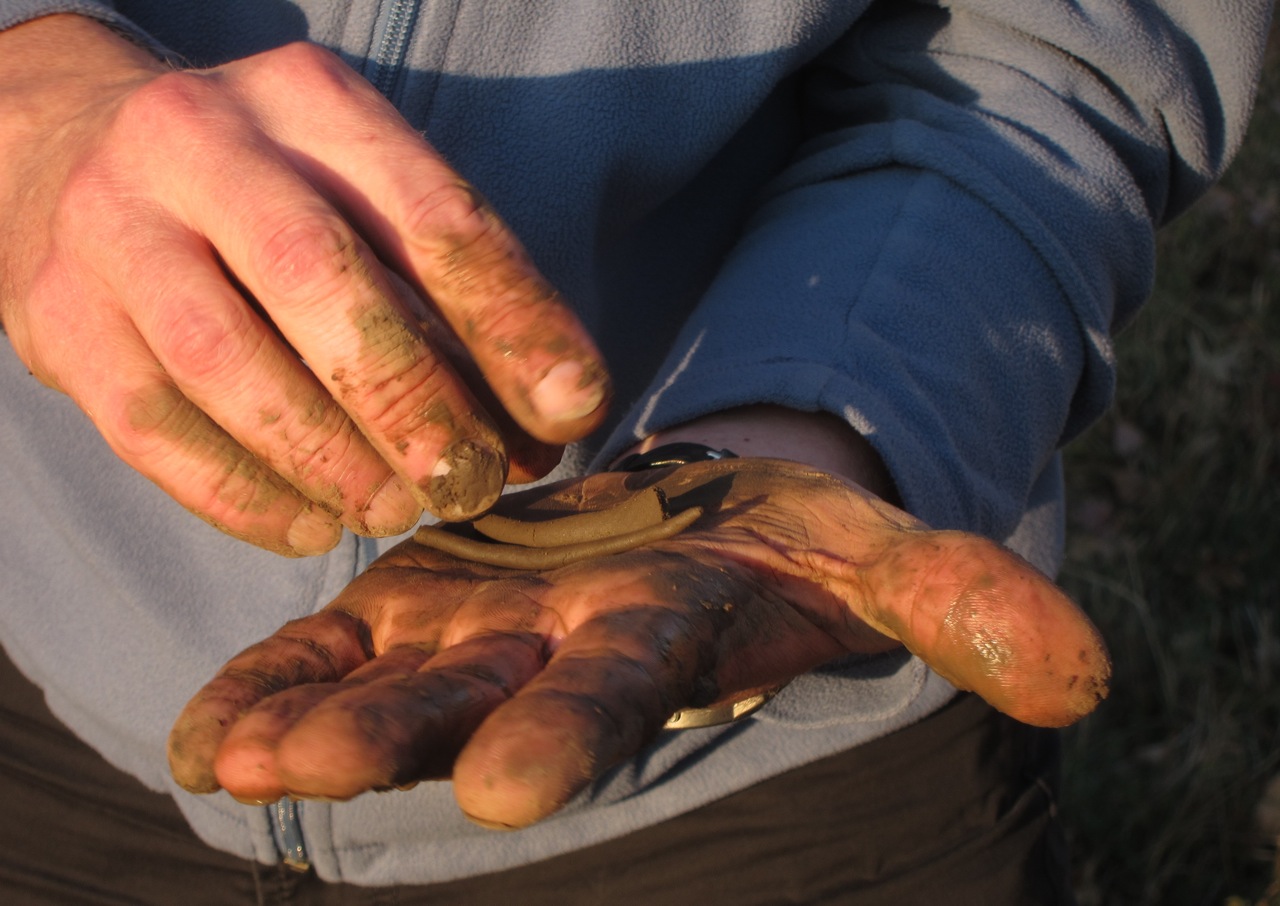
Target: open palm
<point>524,683</point>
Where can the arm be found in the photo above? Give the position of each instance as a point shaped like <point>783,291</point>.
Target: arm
<point>197,258</point>
<point>921,293</point>
<point>942,264</point>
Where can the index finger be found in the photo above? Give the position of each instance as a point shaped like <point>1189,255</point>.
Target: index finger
<point>439,232</point>
<point>325,291</point>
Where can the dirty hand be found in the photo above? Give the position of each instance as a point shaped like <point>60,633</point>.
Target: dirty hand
<point>209,263</point>
<point>524,682</point>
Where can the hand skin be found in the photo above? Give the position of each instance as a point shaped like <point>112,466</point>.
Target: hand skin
<point>223,269</point>
<point>525,686</point>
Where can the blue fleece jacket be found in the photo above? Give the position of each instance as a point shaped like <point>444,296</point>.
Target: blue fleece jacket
<point>924,217</point>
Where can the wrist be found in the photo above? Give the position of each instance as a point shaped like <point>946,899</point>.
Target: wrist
<point>816,439</point>
<point>58,77</point>
<point>57,67</point>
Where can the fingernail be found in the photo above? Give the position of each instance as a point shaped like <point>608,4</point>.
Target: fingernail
<point>568,392</point>
<point>392,509</point>
<point>466,481</point>
<point>313,532</point>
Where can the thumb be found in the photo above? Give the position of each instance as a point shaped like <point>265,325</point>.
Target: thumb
<point>989,622</point>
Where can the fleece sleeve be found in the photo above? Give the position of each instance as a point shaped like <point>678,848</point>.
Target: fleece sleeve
<point>15,12</point>
<point>971,217</point>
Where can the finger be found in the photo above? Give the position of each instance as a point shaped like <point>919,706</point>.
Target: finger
<point>325,291</point>
<point>646,634</point>
<point>152,426</point>
<point>528,458</point>
<point>398,730</point>
<point>327,295</point>
<point>246,761</point>
<point>245,764</point>
<point>989,622</point>
<point>235,369</point>
<point>317,649</point>
<point>609,688</point>
<point>973,610</point>
<point>441,234</point>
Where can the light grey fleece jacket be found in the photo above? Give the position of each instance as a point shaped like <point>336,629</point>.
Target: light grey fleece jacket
<point>924,217</point>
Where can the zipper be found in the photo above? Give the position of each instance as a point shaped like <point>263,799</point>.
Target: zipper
<point>391,37</point>
<point>392,40</point>
<point>286,827</point>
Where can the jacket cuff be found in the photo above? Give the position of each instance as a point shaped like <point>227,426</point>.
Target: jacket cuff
<point>902,304</point>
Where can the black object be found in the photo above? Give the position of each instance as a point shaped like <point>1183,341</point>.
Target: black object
<point>677,454</point>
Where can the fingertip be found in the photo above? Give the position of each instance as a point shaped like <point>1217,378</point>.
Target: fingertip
<point>391,510</point>
<point>193,773</point>
<point>523,768</point>
<point>247,770</point>
<point>570,399</point>
<point>313,532</point>
<point>466,481</point>
<point>511,790</point>
<point>1044,664</point>
<point>532,461</point>
<point>1087,682</point>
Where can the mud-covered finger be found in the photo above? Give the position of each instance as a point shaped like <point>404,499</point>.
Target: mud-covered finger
<point>437,231</point>
<point>156,429</point>
<point>528,458</point>
<point>317,649</point>
<point>237,370</point>
<point>246,761</point>
<point>322,286</point>
<point>398,730</point>
<point>609,689</point>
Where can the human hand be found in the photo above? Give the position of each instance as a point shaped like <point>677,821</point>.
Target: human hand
<point>207,262</point>
<point>524,684</point>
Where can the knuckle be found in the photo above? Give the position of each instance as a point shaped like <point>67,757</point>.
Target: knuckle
<point>240,489</point>
<point>155,131</point>
<point>305,255</point>
<point>153,110</point>
<point>90,206</point>
<point>303,58</point>
<point>321,450</point>
<point>142,421</point>
<point>199,345</point>
<point>453,214</point>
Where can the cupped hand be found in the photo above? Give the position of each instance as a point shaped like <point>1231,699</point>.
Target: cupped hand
<point>209,263</point>
<point>524,683</point>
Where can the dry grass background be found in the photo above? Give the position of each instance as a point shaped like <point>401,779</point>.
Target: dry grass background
<point>1175,550</point>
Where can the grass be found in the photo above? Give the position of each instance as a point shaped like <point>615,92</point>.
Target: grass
<point>1175,551</point>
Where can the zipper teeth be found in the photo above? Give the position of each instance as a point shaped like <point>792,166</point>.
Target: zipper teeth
<point>288,815</point>
<point>387,63</point>
<point>395,43</point>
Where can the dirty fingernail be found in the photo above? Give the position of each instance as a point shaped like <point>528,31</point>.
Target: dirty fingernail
<point>313,532</point>
<point>568,392</point>
<point>466,481</point>
<point>391,510</point>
